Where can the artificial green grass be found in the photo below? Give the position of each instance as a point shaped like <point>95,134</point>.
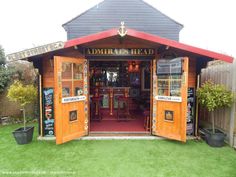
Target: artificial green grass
<point>114,158</point>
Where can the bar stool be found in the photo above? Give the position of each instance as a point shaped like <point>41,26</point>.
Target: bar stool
<point>146,120</point>
<point>96,114</point>
<point>123,112</point>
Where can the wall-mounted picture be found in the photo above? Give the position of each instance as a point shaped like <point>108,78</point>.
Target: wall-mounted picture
<point>73,116</point>
<point>169,115</point>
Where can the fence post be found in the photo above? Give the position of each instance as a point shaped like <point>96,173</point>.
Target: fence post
<point>232,114</point>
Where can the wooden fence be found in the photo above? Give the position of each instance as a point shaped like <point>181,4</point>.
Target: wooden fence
<point>221,73</point>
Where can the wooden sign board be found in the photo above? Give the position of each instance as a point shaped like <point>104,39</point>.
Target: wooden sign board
<point>119,52</point>
<point>168,98</point>
<point>73,99</point>
<point>48,109</point>
<point>35,51</point>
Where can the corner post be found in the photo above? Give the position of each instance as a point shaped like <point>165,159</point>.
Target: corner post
<point>232,114</point>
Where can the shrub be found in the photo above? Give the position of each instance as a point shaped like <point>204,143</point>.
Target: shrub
<point>213,96</point>
<point>23,94</point>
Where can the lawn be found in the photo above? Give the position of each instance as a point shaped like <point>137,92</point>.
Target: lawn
<point>114,158</point>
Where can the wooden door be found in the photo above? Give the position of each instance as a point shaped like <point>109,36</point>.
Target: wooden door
<point>170,84</point>
<point>71,98</point>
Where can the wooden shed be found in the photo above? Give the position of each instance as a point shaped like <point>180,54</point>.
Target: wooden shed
<point>118,81</point>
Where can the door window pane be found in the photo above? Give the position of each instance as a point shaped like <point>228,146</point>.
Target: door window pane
<point>78,79</point>
<point>72,79</point>
<point>78,71</point>
<point>163,85</point>
<point>66,71</point>
<point>169,85</point>
<point>66,88</point>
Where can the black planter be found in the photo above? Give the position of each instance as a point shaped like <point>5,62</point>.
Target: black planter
<point>23,136</point>
<point>214,139</point>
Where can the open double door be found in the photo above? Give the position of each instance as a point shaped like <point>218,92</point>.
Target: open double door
<point>169,98</point>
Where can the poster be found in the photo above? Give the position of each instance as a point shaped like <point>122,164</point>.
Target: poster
<point>48,113</point>
<point>190,110</point>
<point>190,106</point>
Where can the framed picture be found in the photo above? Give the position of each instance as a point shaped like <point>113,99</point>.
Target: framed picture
<point>169,115</point>
<point>73,116</point>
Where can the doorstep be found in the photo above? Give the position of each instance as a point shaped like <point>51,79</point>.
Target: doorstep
<point>108,138</point>
<point>120,138</point>
<point>150,137</point>
<point>103,133</point>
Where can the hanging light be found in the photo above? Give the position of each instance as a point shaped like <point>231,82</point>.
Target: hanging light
<point>133,66</point>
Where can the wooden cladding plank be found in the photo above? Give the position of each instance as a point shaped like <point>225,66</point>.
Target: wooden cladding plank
<point>48,73</point>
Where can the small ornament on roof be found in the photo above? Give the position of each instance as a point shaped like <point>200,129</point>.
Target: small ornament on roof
<point>122,30</point>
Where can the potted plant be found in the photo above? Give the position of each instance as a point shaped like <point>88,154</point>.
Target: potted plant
<point>213,96</point>
<point>23,94</point>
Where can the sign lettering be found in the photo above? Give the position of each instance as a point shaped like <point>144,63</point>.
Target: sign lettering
<point>48,112</point>
<point>73,99</point>
<point>119,52</point>
<point>35,51</point>
<point>169,98</point>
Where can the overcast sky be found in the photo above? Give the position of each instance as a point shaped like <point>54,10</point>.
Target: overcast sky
<point>209,24</point>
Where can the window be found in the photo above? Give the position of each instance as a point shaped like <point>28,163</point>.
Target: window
<point>169,78</point>
<point>72,79</point>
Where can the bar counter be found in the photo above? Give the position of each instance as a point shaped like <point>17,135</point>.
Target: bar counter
<point>110,96</point>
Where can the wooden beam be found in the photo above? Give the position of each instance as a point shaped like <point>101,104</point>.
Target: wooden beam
<point>40,106</point>
<point>196,133</point>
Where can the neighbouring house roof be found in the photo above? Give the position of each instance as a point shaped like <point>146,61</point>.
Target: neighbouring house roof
<point>137,15</point>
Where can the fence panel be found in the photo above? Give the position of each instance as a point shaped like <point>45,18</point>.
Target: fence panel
<point>224,118</point>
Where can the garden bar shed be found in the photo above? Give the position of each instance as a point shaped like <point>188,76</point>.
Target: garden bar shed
<point>119,72</point>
